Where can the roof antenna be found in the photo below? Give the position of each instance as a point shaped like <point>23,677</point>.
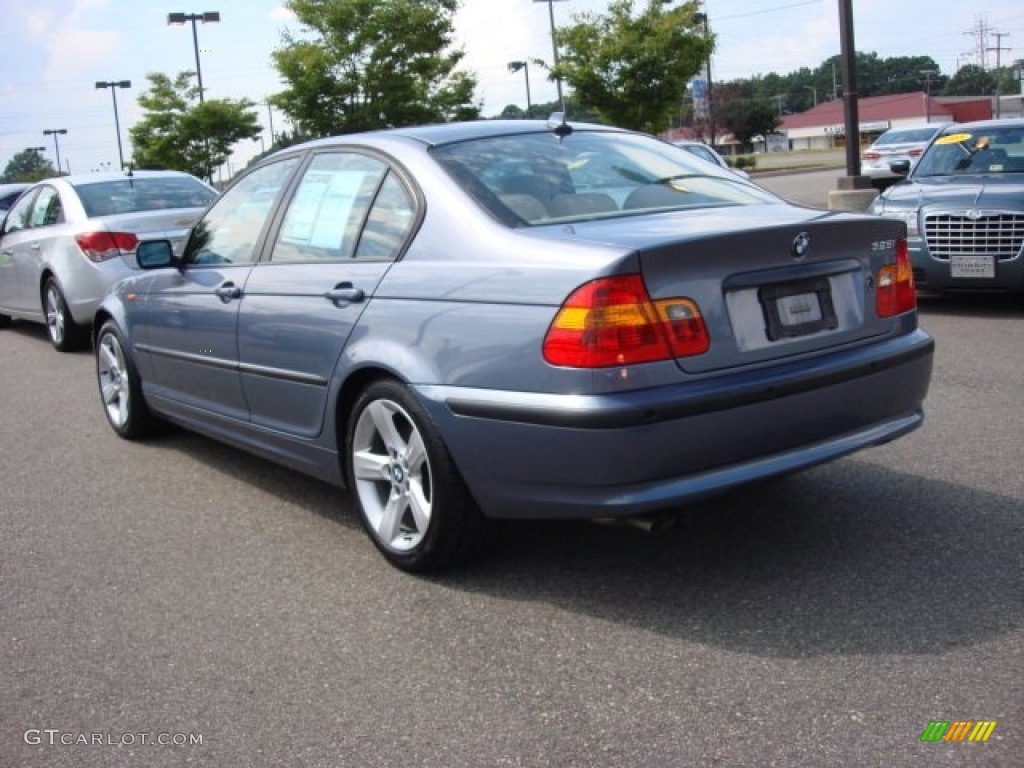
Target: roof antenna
<point>558,125</point>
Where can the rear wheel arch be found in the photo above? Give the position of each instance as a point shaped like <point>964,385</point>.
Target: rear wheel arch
<point>451,527</point>
<point>98,322</point>
<point>345,404</point>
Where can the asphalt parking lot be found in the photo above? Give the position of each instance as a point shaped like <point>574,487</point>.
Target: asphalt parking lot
<point>180,588</point>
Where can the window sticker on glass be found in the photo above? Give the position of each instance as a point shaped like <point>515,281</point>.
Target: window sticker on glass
<point>323,204</point>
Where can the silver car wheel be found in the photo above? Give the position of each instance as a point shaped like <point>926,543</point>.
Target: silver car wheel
<point>56,322</point>
<point>114,383</point>
<point>392,475</point>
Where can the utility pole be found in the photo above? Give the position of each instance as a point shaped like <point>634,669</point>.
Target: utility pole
<point>998,48</point>
<point>928,74</point>
<point>980,32</point>
<point>854,192</point>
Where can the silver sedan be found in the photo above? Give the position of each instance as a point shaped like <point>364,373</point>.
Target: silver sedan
<point>67,240</point>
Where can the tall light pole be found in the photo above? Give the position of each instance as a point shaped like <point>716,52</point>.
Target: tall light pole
<point>515,66</point>
<point>56,146</point>
<point>703,17</point>
<point>270,119</point>
<point>113,85</point>
<point>854,191</point>
<point>554,49</point>
<point>851,110</point>
<point>179,19</point>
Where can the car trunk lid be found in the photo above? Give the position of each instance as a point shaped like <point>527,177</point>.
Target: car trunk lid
<point>771,281</point>
<point>172,224</point>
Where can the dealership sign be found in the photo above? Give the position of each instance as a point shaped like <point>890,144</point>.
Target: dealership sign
<point>839,130</point>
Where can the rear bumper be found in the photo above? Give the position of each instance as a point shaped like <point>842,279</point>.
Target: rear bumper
<point>85,284</point>
<point>564,456</point>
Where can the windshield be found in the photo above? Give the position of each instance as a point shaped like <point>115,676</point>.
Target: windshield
<point>142,194</point>
<point>538,178</point>
<point>994,150</point>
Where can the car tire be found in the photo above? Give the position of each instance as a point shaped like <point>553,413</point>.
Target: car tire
<point>411,498</point>
<point>65,334</point>
<point>5,321</point>
<point>120,386</point>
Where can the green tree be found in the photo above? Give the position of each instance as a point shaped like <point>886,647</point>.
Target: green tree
<point>632,69</point>
<point>181,133</point>
<point>365,64</point>
<point>28,166</point>
<point>747,118</point>
<point>972,80</point>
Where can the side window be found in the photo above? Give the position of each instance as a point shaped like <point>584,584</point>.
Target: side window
<point>47,209</point>
<point>330,204</point>
<point>388,224</point>
<point>18,216</point>
<point>230,231</point>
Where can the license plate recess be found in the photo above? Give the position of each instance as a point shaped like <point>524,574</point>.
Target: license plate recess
<point>798,308</point>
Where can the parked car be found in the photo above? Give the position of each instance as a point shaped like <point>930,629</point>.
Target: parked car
<point>68,240</point>
<point>897,144</point>
<point>508,319</point>
<point>963,203</point>
<point>706,152</point>
<point>8,194</point>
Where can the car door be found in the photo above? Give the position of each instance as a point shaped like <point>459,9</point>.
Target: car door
<point>347,221</point>
<point>188,331</point>
<point>17,252</point>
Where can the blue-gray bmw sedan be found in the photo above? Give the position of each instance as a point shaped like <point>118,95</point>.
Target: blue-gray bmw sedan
<point>490,320</point>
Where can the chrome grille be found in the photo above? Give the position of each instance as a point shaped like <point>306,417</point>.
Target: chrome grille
<point>996,234</point>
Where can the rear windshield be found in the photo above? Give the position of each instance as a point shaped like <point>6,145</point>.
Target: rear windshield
<point>141,194</point>
<point>539,178</point>
<point>910,136</point>
<point>996,150</point>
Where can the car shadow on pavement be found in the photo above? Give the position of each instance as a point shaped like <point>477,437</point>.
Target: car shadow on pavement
<point>848,558</point>
<point>38,331</point>
<point>993,305</point>
<point>851,558</point>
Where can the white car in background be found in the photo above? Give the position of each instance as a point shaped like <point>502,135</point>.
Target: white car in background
<point>904,143</point>
<point>705,152</point>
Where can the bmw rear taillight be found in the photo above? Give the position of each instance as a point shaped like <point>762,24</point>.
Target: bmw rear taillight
<point>895,293</point>
<point>872,156</point>
<point>915,152</point>
<point>612,321</point>
<point>103,246</point>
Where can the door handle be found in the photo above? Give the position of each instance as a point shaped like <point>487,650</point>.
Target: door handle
<point>345,293</point>
<point>228,291</point>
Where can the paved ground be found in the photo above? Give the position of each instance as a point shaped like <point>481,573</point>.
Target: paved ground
<point>181,587</point>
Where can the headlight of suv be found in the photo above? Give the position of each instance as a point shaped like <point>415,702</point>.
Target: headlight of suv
<point>909,217</point>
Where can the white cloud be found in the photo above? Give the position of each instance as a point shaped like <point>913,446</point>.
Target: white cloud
<point>68,47</point>
<point>283,15</point>
<point>38,22</point>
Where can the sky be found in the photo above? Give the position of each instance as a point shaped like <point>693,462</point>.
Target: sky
<point>54,51</point>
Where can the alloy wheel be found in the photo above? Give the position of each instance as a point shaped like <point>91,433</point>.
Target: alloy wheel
<point>392,475</point>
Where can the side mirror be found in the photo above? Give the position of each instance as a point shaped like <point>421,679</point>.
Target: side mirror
<point>900,167</point>
<point>155,254</point>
